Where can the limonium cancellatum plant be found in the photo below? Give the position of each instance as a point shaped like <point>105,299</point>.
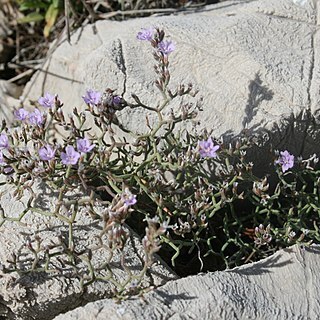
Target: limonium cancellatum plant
<point>192,198</point>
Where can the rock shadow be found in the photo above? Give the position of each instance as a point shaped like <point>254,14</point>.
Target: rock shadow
<point>257,94</point>
<point>262,267</point>
<point>298,132</point>
<point>169,298</point>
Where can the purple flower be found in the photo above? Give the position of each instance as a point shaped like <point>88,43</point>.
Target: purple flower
<point>70,156</point>
<point>286,160</point>
<point>128,198</point>
<point>48,100</point>
<point>166,47</point>
<point>4,143</point>
<point>2,161</point>
<point>145,34</point>
<point>207,148</point>
<point>46,153</point>
<point>84,145</point>
<point>116,100</point>
<point>92,97</point>
<point>21,114</point>
<point>8,169</point>
<point>36,117</point>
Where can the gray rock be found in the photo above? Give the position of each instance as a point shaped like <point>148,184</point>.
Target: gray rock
<point>9,97</point>
<point>256,63</point>
<point>42,295</point>
<point>283,286</point>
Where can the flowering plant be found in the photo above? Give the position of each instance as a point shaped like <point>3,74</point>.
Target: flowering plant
<point>193,199</point>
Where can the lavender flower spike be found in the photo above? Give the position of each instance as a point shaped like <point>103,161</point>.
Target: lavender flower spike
<point>166,47</point>
<point>47,101</point>
<point>70,156</point>
<point>286,160</point>
<point>84,145</point>
<point>145,34</point>
<point>92,97</point>
<point>4,142</point>
<point>21,114</point>
<point>207,148</point>
<point>36,117</point>
<point>128,198</point>
<point>46,153</point>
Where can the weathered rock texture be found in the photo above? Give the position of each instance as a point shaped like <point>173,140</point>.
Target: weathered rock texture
<point>41,295</point>
<point>9,95</point>
<point>256,64</point>
<point>283,286</point>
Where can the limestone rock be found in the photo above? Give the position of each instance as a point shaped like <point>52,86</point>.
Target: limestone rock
<point>9,98</point>
<point>256,64</point>
<point>283,286</point>
<point>42,295</point>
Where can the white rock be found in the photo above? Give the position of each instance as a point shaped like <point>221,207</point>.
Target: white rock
<point>300,2</point>
<point>41,295</point>
<point>283,286</point>
<point>9,98</point>
<point>256,64</point>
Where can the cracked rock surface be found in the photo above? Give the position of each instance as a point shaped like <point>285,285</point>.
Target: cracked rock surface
<point>256,64</point>
<point>283,286</point>
<point>40,295</point>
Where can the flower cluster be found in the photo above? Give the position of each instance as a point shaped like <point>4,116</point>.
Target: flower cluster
<point>92,97</point>
<point>128,198</point>
<point>164,46</point>
<point>35,118</point>
<point>146,34</point>
<point>70,156</point>
<point>46,153</point>
<point>207,148</point>
<point>151,241</point>
<point>262,235</point>
<point>286,160</point>
<point>84,145</point>
<point>116,216</point>
<point>48,100</point>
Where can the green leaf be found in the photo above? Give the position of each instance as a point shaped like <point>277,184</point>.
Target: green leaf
<point>31,17</point>
<point>51,17</point>
<point>27,5</point>
<point>56,3</point>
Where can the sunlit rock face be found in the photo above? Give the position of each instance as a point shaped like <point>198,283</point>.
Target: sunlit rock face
<point>255,63</point>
